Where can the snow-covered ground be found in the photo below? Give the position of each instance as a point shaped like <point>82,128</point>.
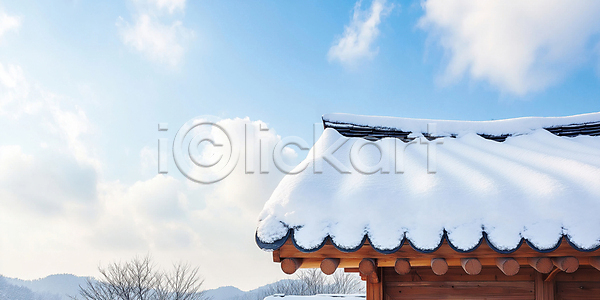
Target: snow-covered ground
<point>318,297</point>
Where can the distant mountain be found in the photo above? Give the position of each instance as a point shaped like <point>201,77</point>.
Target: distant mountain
<point>15,292</point>
<point>61,285</point>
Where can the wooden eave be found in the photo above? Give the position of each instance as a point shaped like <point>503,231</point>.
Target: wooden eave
<point>484,253</point>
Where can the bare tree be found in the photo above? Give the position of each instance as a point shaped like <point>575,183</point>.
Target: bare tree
<point>138,279</point>
<point>346,283</point>
<point>311,282</point>
<point>183,283</point>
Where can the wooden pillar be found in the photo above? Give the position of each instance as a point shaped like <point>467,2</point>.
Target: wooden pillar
<point>539,286</point>
<point>544,290</point>
<point>549,287</point>
<point>375,288</point>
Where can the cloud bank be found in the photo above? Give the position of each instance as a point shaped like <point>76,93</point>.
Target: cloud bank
<point>516,46</point>
<point>55,202</point>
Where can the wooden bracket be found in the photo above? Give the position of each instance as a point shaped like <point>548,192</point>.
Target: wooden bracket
<point>552,275</point>
<point>329,265</point>
<point>472,266</point>
<point>290,265</point>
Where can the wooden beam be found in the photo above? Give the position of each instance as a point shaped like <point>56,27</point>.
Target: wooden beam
<point>541,264</point>
<point>329,265</point>
<point>595,262</point>
<point>402,266</point>
<point>451,261</point>
<point>439,266</point>
<point>508,266</point>
<point>426,262</point>
<point>316,262</point>
<point>482,252</point>
<point>290,265</point>
<point>472,266</point>
<point>351,270</point>
<point>568,264</point>
<point>367,266</point>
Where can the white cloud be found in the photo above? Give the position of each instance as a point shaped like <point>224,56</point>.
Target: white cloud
<point>8,23</point>
<point>55,203</point>
<point>45,183</point>
<point>516,46</point>
<point>357,41</point>
<point>158,36</point>
<point>157,41</point>
<point>14,92</point>
<point>20,99</point>
<point>61,168</point>
<point>48,173</point>
<point>211,226</point>
<point>149,160</point>
<point>37,111</point>
<point>169,5</point>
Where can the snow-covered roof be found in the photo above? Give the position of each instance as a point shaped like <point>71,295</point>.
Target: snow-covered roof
<point>534,186</point>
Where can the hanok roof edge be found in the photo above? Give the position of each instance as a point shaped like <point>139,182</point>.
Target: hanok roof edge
<point>375,128</point>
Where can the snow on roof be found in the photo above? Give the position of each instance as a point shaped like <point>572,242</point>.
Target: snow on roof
<point>448,127</point>
<point>317,297</point>
<point>535,187</point>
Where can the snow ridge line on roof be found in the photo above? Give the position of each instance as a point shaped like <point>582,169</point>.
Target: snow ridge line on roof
<point>585,124</point>
<point>484,237</point>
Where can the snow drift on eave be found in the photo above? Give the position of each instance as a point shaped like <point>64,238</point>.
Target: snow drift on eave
<point>536,187</point>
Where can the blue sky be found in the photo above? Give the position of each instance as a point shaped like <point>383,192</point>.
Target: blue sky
<point>85,83</point>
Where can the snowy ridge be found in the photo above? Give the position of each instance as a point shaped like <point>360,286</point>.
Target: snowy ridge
<point>534,187</point>
<point>515,126</point>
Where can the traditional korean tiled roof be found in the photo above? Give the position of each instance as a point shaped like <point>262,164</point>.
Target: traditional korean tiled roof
<point>504,182</point>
